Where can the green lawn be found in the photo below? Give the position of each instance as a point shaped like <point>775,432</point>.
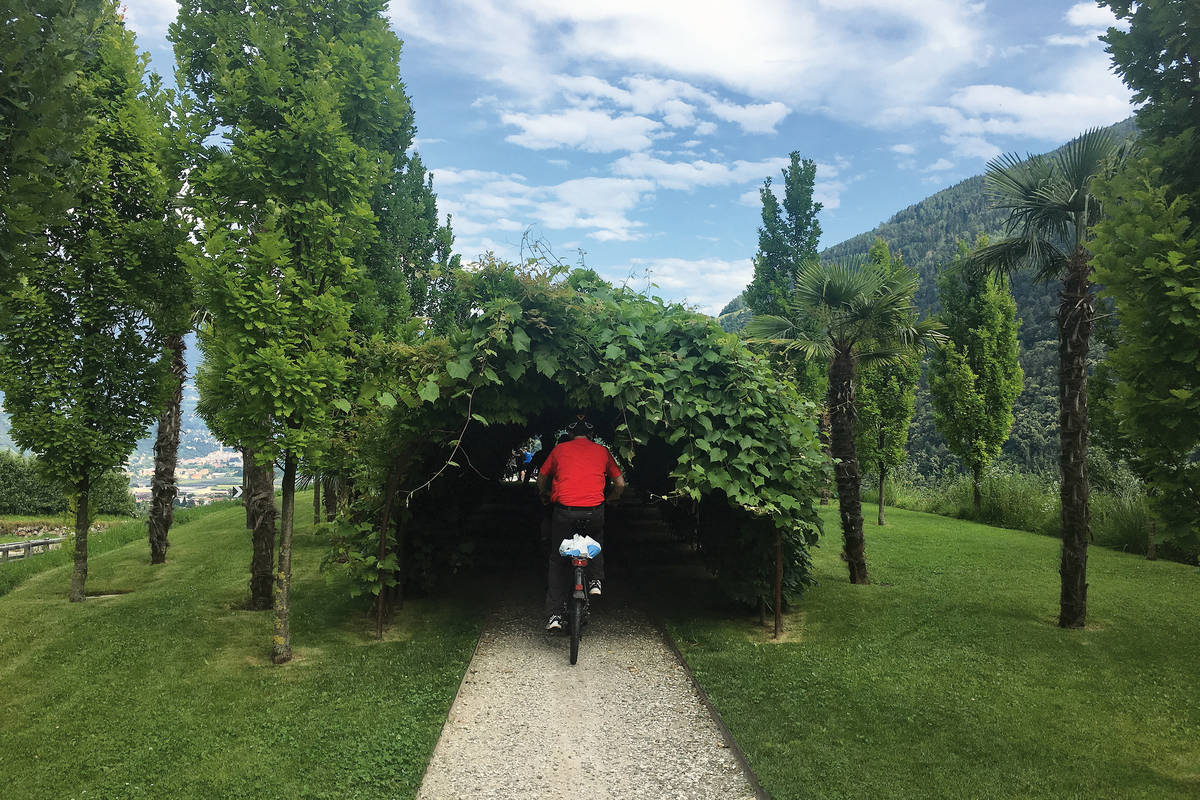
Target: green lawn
<point>167,691</point>
<point>947,677</point>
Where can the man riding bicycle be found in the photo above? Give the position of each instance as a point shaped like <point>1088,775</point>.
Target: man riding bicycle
<point>577,477</point>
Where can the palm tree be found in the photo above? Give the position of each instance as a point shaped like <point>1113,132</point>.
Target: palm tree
<point>1051,210</point>
<point>845,314</point>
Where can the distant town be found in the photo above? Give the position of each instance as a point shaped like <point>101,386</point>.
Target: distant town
<point>201,479</point>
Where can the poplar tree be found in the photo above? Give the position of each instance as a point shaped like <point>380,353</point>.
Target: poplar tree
<point>43,47</point>
<point>81,364</point>
<point>886,392</point>
<point>308,99</point>
<point>788,237</point>
<point>975,376</point>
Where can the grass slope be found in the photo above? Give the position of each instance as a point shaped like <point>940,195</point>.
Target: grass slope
<point>948,678</point>
<point>168,692</point>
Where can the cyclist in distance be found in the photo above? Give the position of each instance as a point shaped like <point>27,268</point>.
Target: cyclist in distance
<point>577,477</point>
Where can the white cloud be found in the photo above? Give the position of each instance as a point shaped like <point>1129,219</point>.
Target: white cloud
<point>149,18</point>
<point>903,149</point>
<point>707,283</point>
<point>1091,16</point>
<point>706,128</point>
<point>754,118</point>
<point>831,182</point>
<point>904,51</point>
<point>594,131</point>
<point>1094,20</point>
<point>690,174</point>
<point>941,165</point>
<point>493,202</point>
<point>1086,94</point>
<point>1073,40</point>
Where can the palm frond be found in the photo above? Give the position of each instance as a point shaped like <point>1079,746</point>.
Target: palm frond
<point>1078,161</point>
<point>788,335</point>
<point>767,327</point>
<point>1010,255</point>
<point>835,285</point>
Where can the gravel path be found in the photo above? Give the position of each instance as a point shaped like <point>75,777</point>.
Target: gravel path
<point>625,723</point>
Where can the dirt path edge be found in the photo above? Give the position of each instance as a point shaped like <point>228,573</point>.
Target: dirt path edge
<point>461,681</point>
<point>726,734</point>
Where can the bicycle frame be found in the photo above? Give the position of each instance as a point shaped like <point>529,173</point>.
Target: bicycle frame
<point>580,565</point>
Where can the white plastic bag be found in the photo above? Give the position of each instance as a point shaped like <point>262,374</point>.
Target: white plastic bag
<point>580,546</point>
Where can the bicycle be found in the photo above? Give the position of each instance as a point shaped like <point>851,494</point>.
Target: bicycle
<point>579,607</point>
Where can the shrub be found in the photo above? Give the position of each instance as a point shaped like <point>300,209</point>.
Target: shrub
<point>25,490</point>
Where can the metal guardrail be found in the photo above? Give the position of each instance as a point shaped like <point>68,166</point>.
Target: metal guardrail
<point>15,550</point>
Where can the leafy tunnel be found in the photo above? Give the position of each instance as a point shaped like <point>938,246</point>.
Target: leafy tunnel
<point>690,412</point>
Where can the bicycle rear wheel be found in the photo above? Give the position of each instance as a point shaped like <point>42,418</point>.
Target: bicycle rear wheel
<point>576,626</point>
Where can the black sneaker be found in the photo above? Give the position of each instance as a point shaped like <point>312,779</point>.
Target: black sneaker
<point>594,589</point>
<point>555,623</point>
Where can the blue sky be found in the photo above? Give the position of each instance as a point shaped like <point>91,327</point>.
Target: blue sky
<point>639,131</point>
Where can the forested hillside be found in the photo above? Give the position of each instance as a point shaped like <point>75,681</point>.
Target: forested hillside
<point>927,235</point>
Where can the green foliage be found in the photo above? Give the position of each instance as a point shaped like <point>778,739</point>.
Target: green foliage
<point>80,365</point>
<point>788,237</point>
<point>975,376</point>
<point>666,378</point>
<point>314,110</point>
<point>25,489</point>
<point>928,234</point>
<point>886,391</point>
<point>43,47</point>
<point>848,308</point>
<point>1148,259</point>
<point>1157,58</point>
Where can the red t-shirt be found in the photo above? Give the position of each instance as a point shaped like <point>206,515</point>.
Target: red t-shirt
<point>579,469</point>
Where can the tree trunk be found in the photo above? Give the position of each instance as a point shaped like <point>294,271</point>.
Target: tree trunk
<point>842,412</point>
<point>281,650</point>
<point>1075,321</point>
<point>316,498</point>
<point>778,583</point>
<point>260,508</point>
<point>331,498</point>
<point>977,492</point>
<point>823,436</point>
<point>882,487</point>
<point>79,576</point>
<point>384,524</point>
<point>247,460</point>
<point>166,450</point>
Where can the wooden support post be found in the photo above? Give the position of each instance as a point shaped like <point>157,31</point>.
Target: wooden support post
<point>778,583</point>
<point>389,494</point>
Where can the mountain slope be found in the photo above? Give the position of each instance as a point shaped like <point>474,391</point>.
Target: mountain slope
<point>927,235</point>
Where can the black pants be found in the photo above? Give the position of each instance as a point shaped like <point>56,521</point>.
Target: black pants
<point>565,522</point>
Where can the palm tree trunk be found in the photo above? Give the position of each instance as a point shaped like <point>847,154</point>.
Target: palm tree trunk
<point>260,508</point>
<point>79,575</point>
<point>331,497</point>
<point>166,450</point>
<point>1075,321</point>
<point>316,498</point>
<point>281,650</point>
<point>823,436</point>
<point>841,413</point>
